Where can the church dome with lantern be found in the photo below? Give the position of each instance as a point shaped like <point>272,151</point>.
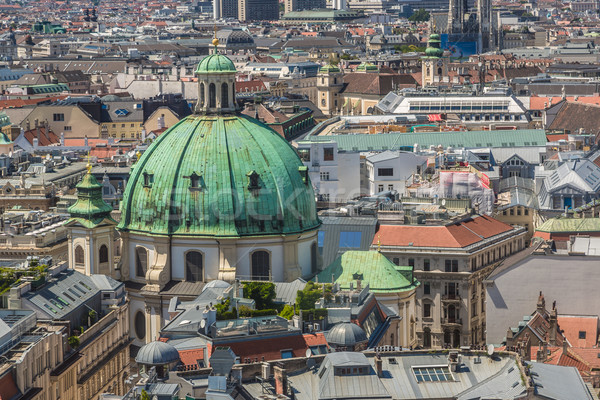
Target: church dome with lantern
<point>219,195</point>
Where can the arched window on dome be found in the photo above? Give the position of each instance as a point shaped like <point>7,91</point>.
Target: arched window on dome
<point>141,262</point>
<point>79,255</point>
<point>224,95</point>
<point>212,96</point>
<point>202,95</point>
<point>103,254</point>
<point>261,266</point>
<point>194,267</point>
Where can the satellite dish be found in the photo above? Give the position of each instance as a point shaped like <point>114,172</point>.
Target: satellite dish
<point>202,323</point>
<point>308,353</point>
<point>490,349</point>
<point>443,202</point>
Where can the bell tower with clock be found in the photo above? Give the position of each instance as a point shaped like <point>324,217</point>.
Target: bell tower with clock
<point>434,66</point>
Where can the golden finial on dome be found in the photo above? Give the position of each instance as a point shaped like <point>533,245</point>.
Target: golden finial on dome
<point>215,42</point>
<point>138,154</point>
<point>88,166</point>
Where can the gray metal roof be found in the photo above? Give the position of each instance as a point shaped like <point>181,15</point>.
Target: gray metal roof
<point>346,334</point>
<point>506,384</point>
<point>63,294</point>
<point>286,292</point>
<point>104,282</point>
<point>558,383</point>
<point>351,386</point>
<point>157,353</point>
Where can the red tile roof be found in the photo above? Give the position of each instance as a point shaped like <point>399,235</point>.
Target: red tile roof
<point>191,357</point>
<point>271,348</point>
<point>45,139</point>
<point>572,325</point>
<point>460,234</point>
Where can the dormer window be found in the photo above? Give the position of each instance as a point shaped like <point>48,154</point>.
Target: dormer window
<point>303,170</point>
<point>253,183</point>
<point>196,181</point>
<point>148,179</point>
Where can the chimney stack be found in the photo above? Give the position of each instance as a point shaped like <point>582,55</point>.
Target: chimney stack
<point>281,383</point>
<point>379,365</point>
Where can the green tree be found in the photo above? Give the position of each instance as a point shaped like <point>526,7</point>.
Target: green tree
<point>144,395</point>
<point>73,341</point>
<point>263,294</point>
<point>306,298</point>
<point>419,16</point>
<point>287,312</point>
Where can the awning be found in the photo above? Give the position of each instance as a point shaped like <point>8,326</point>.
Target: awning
<point>434,117</point>
<point>356,104</point>
<point>346,102</point>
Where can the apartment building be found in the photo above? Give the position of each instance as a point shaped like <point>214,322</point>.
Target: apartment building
<point>451,262</point>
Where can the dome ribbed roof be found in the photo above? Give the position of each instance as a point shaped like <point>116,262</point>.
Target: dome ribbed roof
<point>215,64</point>
<point>248,180</point>
<point>157,353</point>
<point>346,334</point>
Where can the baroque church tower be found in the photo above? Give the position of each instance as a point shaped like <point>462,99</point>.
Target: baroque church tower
<point>91,230</point>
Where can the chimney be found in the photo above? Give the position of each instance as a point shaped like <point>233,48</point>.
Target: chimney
<point>379,365</point>
<point>281,383</point>
<point>553,324</point>
<point>541,303</point>
<point>85,141</point>
<point>62,138</point>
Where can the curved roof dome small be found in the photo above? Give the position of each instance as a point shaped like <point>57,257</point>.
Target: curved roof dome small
<point>234,36</point>
<point>217,283</point>
<point>110,97</point>
<point>346,334</point>
<point>157,353</point>
<point>216,64</point>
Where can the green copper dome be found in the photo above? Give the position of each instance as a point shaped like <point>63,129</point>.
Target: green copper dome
<point>90,209</point>
<point>329,68</point>
<point>219,175</point>
<point>434,46</point>
<point>215,64</point>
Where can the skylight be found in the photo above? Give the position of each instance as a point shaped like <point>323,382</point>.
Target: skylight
<point>433,374</point>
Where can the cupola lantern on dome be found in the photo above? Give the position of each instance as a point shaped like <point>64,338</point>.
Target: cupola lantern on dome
<point>216,84</point>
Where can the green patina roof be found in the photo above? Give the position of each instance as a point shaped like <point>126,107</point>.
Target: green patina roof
<point>222,152</point>
<point>580,225</point>
<point>434,46</point>
<point>89,209</point>
<point>365,66</point>
<point>215,64</point>
<point>4,139</point>
<point>4,119</point>
<point>467,139</point>
<point>373,268</point>
<point>329,68</point>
